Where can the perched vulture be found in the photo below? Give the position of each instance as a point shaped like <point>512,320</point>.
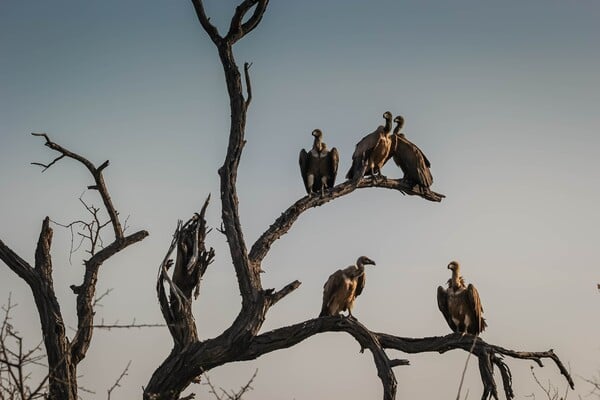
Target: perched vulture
<point>372,151</point>
<point>319,165</point>
<point>342,288</point>
<point>460,304</point>
<point>410,158</point>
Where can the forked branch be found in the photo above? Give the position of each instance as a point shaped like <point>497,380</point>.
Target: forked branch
<point>64,354</point>
<point>99,185</point>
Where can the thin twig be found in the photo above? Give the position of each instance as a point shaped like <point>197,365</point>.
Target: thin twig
<point>118,381</point>
<point>462,377</point>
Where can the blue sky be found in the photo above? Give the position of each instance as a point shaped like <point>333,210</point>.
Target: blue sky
<point>503,98</point>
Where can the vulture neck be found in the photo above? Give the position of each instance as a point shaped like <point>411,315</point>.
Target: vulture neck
<point>456,281</point>
<point>317,144</point>
<point>397,129</point>
<point>388,126</point>
<point>360,268</point>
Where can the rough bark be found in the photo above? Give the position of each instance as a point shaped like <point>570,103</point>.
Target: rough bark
<point>190,356</point>
<point>64,354</point>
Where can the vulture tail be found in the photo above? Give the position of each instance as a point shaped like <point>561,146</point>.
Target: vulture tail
<point>354,173</point>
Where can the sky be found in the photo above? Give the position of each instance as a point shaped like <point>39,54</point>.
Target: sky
<point>503,97</point>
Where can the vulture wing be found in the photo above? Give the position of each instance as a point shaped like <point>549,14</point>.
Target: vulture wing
<point>412,161</point>
<point>333,158</point>
<point>427,163</point>
<point>393,147</point>
<point>333,284</point>
<point>303,160</point>
<point>367,143</point>
<point>360,284</point>
<point>442,300</point>
<point>475,306</point>
<point>362,152</point>
<point>424,166</point>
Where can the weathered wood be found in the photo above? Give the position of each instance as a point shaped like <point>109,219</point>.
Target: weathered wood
<point>287,218</point>
<point>63,354</point>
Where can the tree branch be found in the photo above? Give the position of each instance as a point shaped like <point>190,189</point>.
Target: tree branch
<point>191,263</point>
<point>64,355</point>
<point>212,31</point>
<point>118,381</point>
<point>98,178</point>
<point>488,354</point>
<point>86,293</point>
<point>17,264</point>
<point>285,221</point>
<point>43,260</point>
<point>291,335</point>
<point>237,29</point>
<point>289,288</point>
<point>248,84</point>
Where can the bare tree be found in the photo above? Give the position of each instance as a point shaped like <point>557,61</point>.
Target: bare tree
<point>190,356</point>
<point>64,353</point>
<point>594,384</point>
<point>222,394</point>
<point>17,363</point>
<point>550,391</point>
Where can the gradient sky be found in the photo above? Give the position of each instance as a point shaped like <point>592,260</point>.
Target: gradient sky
<point>503,97</point>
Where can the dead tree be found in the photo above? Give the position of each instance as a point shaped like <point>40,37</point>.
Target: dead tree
<point>64,353</point>
<point>190,356</point>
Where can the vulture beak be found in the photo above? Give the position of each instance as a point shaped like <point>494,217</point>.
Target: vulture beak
<point>369,261</point>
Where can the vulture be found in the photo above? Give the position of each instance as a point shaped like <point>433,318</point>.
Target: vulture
<point>342,288</point>
<point>410,158</point>
<point>372,151</point>
<point>460,304</point>
<point>319,165</point>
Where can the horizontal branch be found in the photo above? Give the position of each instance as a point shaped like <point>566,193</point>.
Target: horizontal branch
<point>291,335</point>
<point>289,288</point>
<point>132,325</point>
<point>284,223</point>
<point>488,354</point>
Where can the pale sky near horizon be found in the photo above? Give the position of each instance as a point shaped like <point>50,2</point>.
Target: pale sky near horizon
<point>503,97</point>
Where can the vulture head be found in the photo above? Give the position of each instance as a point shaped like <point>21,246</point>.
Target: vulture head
<point>399,120</point>
<point>454,266</point>
<point>317,133</point>
<point>364,260</point>
<point>387,115</point>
